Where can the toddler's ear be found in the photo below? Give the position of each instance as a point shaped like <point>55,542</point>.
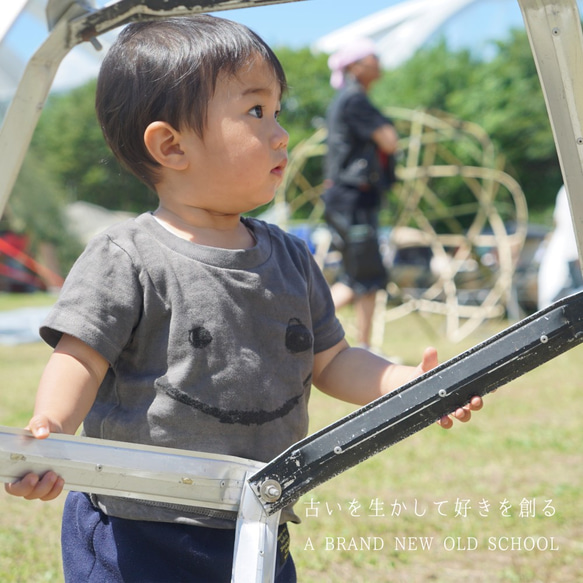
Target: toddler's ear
<point>163,143</point>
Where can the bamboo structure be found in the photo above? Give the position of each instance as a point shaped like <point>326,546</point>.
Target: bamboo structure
<point>474,243</point>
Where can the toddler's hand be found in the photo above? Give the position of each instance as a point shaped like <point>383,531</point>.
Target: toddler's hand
<point>463,414</point>
<point>32,486</point>
<point>428,361</point>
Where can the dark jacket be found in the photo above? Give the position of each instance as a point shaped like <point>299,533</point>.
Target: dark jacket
<point>353,158</point>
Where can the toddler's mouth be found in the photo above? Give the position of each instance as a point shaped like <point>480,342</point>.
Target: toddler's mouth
<point>280,168</point>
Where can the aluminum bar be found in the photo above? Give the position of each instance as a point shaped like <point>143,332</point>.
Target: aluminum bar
<point>126,11</point>
<point>158,474</point>
<point>420,403</point>
<point>255,541</point>
<point>554,32</point>
<point>123,469</point>
<point>27,104</point>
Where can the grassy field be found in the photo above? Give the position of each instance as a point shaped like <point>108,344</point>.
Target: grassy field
<point>497,500</point>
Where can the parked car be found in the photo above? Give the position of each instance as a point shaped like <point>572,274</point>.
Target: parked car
<point>413,267</point>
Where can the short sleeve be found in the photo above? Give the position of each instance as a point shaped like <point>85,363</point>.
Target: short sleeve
<point>362,117</point>
<point>328,330</point>
<point>100,302</point>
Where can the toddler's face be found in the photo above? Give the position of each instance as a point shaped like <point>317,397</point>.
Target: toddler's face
<point>239,163</point>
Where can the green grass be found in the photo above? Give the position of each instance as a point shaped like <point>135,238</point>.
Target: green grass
<point>29,531</point>
<point>523,448</point>
<point>10,301</point>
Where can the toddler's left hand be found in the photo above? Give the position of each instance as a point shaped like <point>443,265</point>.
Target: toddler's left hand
<point>463,414</point>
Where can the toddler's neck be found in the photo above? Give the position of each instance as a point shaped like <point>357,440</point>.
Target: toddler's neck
<point>232,234</point>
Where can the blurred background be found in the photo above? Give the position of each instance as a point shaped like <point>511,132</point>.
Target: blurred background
<point>464,228</point>
<point>463,233</point>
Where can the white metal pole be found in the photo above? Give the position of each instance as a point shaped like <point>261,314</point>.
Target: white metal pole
<point>554,31</point>
<point>26,107</point>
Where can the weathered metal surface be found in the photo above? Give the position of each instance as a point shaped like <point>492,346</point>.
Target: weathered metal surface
<point>127,470</point>
<point>420,403</point>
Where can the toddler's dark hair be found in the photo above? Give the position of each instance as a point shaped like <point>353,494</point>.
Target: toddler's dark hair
<point>167,70</point>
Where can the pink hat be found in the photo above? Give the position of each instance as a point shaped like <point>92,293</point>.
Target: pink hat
<point>354,51</point>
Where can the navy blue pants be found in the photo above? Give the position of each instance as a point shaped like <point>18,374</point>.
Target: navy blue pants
<point>101,549</point>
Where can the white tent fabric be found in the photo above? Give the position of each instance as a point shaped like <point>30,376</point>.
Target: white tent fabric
<point>398,31</point>
<point>80,65</point>
<point>9,12</point>
<point>11,64</point>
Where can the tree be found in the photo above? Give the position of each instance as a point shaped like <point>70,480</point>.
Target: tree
<point>68,140</point>
<point>36,209</point>
<point>309,92</point>
<point>502,95</point>
<point>506,99</point>
<point>427,79</point>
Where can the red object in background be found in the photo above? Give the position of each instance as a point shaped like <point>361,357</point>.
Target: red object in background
<point>20,271</point>
<point>18,242</point>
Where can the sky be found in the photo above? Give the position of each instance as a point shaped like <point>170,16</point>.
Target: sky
<point>300,24</point>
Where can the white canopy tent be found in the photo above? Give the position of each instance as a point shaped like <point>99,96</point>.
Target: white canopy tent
<point>398,31</point>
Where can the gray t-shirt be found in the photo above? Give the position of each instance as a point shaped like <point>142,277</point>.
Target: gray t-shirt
<point>209,349</point>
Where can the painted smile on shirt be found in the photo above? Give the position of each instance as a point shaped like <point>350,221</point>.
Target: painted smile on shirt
<point>298,339</point>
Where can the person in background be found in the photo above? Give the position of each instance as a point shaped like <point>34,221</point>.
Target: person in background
<point>359,167</point>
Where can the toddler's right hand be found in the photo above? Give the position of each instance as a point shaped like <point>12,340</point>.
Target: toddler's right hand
<point>32,486</point>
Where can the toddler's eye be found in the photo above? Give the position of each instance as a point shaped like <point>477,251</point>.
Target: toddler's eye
<point>257,111</point>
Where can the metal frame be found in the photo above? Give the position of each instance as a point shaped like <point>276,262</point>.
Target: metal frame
<point>259,493</point>
<point>255,540</point>
<point>556,40</point>
<point>421,402</point>
<point>428,157</point>
<point>199,480</point>
<point>72,22</point>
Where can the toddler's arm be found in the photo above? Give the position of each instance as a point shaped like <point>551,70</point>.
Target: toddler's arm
<point>66,392</point>
<point>359,376</point>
